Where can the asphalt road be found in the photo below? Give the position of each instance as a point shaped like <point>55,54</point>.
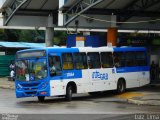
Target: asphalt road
<point>83,107</point>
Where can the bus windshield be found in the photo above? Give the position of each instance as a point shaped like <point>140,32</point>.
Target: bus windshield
<point>32,69</point>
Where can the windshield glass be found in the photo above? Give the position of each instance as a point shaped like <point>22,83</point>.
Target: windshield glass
<point>30,70</point>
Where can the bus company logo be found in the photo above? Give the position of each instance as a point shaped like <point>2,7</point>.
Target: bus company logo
<point>71,74</point>
<point>98,75</point>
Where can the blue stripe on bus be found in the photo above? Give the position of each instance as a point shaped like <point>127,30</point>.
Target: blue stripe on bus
<point>62,50</point>
<point>125,49</point>
<point>69,74</point>
<point>72,74</point>
<point>132,69</point>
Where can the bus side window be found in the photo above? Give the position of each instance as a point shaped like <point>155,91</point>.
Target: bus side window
<point>93,60</point>
<point>106,59</point>
<point>80,60</point>
<point>141,58</point>
<point>130,59</point>
<point>67,60</point>
<point>119,59</point>
<point>55,66</point>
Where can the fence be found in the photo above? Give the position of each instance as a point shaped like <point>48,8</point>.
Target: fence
<point>5,61</point>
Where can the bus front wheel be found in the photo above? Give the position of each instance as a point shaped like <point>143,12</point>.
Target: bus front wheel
<point>121,86</point>
<point>69,92</point>
<point>41,98</point>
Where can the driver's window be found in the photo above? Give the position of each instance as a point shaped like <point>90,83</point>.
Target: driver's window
<point>55,66</point>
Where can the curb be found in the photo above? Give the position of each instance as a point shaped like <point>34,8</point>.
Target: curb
<point>141,102</point>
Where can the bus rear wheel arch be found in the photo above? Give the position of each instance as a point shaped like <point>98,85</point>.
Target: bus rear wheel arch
<point>70,89</point>
<point>121,86</point>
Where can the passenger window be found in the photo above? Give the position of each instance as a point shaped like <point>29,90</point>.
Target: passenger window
<point>141,58</point>
<point>67,61</point>
<point>55,66</point>
<point>93,60</point>
<point>80,60</point>
<point>119,59</point>
<point>130,59</point>
<point>107,59</point>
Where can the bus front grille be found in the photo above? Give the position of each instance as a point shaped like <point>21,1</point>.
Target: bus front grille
<point>30,85</point>
<point>31,92</point>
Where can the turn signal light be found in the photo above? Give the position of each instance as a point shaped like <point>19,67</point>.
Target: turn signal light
<point>43,93</point>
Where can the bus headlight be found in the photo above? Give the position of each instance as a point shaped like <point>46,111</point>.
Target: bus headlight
<point>19,86</point>
<point>44,85</point>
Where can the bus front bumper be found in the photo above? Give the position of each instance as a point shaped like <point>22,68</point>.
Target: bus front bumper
<point>43,89</point>
<point>20,94</point>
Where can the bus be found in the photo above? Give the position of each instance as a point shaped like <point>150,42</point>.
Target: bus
<point>79,70</point>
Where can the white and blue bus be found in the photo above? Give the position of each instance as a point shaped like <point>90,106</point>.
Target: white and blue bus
<point>79,70</point>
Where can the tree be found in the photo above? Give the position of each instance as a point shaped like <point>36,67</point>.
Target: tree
<point>3,35</point>
<point>12,35</point>
<point>31,36</point>
<point>60,38</point>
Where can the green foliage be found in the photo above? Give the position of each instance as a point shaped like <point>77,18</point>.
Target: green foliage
<point>31,36</point>
<point>3,35</point>
<point>12,35</point>
<point>21,35</point>
<point>60,38</point>
<point>26,36</point>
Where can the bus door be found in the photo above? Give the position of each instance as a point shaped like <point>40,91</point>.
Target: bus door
<point>55,73</point>
<point>109,69</point>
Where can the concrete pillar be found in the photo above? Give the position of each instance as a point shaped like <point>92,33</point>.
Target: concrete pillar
<point>112,37</point>
<point>49,36</point>
<point>112,32</point>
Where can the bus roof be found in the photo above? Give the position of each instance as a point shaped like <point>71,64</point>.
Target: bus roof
<point>86,49</point>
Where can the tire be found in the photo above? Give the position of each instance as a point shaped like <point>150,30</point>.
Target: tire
<point>41,98</point>
<point>69,92</point>
<point>121,86</point>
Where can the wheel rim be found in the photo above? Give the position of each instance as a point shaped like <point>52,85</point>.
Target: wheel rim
<point>121,87</point>
<point>69,93</point>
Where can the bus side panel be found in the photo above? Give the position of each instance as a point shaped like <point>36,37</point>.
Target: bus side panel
<point>144,75</point>
<point>102,79</point>
<point>145,79</point>
<point>130,75</point>
<point>57,87</point>
<point>58,84</point>
<point>134,76</point>
<point>83,84</point>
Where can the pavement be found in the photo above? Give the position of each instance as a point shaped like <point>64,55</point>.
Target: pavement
<point>147,95</point>
<point>6,83</point>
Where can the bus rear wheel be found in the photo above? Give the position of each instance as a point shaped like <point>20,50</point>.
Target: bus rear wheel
<point>69,92</point>
<point>41,98</point>
<point>121,86</point>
